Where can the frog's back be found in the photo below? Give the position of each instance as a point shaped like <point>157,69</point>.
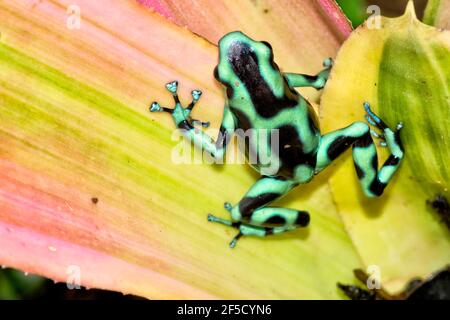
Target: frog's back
<point>282,142</point>
<point>275,120</point>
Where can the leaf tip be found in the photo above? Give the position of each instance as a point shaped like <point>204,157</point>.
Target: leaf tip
<point>410,11</point>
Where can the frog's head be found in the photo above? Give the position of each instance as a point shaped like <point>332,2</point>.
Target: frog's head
<point>244,62</point>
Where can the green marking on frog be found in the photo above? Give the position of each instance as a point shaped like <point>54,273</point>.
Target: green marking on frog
<point>261,97</point>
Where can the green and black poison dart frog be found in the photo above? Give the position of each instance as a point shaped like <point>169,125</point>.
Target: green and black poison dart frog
<point>260,96</point>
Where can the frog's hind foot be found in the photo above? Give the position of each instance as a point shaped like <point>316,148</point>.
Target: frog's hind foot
<point>379,136</point>
<point>246,229</point>
<point>212,218</point>
<point>387,133</point>
<point>373,119</point>
<point>267,227</point>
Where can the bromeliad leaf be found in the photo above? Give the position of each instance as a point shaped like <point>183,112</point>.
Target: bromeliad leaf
<point>88,189</point>
<point>402,67</point>
<point>302,32</point>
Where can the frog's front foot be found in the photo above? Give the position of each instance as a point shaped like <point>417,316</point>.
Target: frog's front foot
<point>387,136</point>
<point>179,113</point>
<point>323,75</point>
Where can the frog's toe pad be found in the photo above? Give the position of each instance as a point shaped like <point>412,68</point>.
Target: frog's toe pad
<point>370,120</point>
<point>228,206</point>
<point>233,243</point>
<point>327,63</point>
<point>376,134</point>
<point>155,107</point>
<point>196,122</point>
<point>370,114</point>
<point>172,86</point>
<point>196,94</point>
<point>373,119</point>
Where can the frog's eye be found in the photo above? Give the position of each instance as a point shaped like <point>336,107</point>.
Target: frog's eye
<point>267,44</point>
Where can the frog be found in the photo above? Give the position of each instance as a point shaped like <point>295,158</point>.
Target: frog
<point>259,96</point>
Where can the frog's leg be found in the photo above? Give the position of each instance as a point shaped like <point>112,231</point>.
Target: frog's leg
<point>252,216</point>
<point>318,81</point>
<point>183,121</point>
<point>358,135</point>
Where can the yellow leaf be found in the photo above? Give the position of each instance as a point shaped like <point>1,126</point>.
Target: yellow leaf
<point>402,68</point>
